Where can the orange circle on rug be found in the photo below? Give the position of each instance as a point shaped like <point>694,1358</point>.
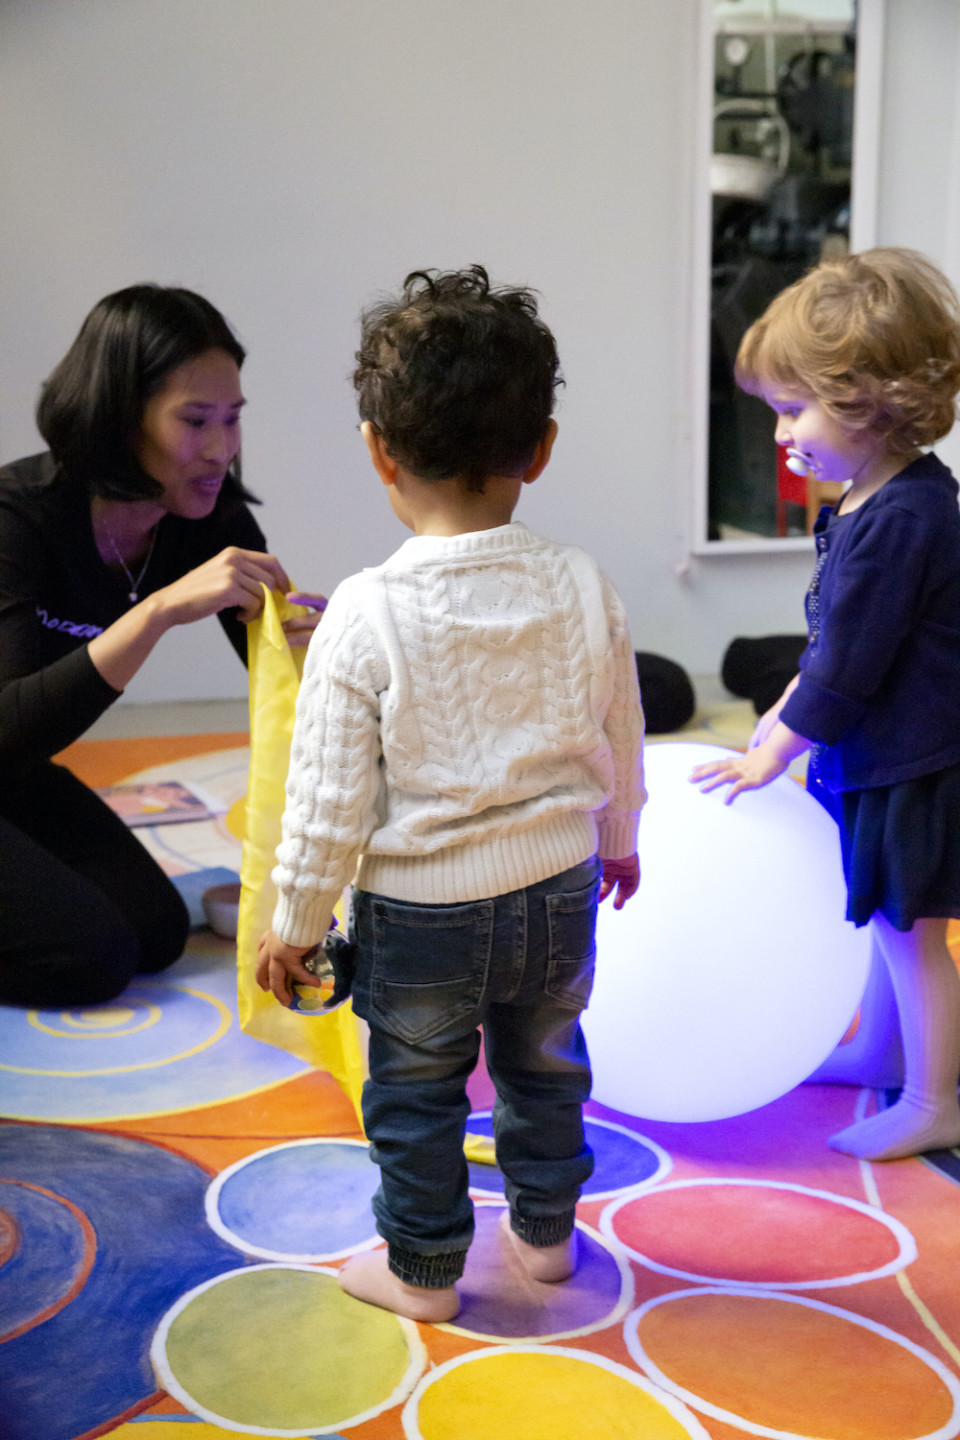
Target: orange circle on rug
<point>784,1366</point>
<point>771,1234</point>
<point>533,1393</point>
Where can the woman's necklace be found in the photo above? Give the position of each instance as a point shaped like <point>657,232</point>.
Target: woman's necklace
<point>134,583</point>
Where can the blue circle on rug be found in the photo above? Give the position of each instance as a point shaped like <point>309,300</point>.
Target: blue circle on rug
<point>278,1203</point>
<point>622,1159</point>
<point>499,1302</point>
<point>87,1363</point>
<point>165,1044</point>
<point>50,1258</point>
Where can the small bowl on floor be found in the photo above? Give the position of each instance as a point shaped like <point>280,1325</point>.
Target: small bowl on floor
<point>221,906</point>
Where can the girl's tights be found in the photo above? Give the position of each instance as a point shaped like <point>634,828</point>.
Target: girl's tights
<point>874,1056</point>
<point>927,990</point>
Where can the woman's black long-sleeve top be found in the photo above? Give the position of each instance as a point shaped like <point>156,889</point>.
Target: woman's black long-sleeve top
<point>56,594</point>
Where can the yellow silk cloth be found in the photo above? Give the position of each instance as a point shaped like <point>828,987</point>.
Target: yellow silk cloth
<point>328,1042</point>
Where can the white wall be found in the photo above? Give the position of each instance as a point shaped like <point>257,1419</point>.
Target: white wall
<point>291,158</point>
<point>919,200</point>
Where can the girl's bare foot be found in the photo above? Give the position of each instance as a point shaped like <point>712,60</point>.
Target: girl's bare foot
<point>905,1129</point>
<point>369,1277</point>
<point>547,1263</point>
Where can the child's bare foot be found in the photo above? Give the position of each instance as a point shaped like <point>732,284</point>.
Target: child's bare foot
<point>369,1277</point>
<point>547,1263</point>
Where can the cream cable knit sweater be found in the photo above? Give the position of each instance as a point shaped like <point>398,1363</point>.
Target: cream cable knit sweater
<point>469,720</point>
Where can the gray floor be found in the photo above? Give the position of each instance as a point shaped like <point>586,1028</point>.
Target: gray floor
<point>186,717</point>
<point>203,717</point>
<point>720,719</point>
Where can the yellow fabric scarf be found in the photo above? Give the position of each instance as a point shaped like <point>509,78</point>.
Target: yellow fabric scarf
<point>328,1042</point>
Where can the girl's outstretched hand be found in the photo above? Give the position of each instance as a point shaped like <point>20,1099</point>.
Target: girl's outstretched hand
<point>301,627</point>
<point>623,875</point>
<point>769,718</point>
<point>757,768</point>
<point>741,772</point>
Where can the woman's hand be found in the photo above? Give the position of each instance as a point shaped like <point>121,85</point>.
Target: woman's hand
<point>233,578</point>
<point>299,629</point>
<point>278,963</point>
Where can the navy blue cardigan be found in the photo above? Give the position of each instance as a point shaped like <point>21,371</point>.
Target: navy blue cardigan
<point>880,677</point>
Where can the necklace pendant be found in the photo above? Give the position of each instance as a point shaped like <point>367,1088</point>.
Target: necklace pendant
<point>133,597</point>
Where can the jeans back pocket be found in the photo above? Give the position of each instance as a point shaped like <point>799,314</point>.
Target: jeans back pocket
<point>429,965</point>
<point>571,927</point>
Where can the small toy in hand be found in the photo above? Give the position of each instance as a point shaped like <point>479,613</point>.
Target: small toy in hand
<point>334,963</point>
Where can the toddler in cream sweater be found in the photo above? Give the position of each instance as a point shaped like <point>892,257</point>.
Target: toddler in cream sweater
<point>468,751</point>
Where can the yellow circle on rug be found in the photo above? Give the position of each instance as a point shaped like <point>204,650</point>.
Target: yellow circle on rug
<point>173,1427</point>
<point>236,818</point>
<point>787,1366</point>
<point>533,1393</point>
<point>284,1350</point>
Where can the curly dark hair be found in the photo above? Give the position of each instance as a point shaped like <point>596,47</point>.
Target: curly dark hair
<point>458,378</point>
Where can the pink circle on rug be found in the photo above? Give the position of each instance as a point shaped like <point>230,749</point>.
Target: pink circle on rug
<point>770,1234</point>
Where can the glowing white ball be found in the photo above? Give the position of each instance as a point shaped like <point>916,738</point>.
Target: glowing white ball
<point>731,974</point>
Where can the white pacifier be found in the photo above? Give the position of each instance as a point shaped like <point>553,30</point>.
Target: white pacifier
<point>798,462</point>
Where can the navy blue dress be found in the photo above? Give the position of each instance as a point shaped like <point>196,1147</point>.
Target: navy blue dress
<point>879,693</point>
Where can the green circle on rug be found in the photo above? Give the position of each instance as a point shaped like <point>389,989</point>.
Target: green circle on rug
<point>283,1349</point>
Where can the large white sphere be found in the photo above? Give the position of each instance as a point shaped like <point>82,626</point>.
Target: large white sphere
<point>731,974</point>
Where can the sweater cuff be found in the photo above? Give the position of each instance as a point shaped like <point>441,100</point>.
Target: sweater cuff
<point>819,714</point>
<point>617,836</point>
<point>299,921</point>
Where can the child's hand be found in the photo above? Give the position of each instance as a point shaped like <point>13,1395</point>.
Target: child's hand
<point>299,629</point>
<point>622,874</point>
<point>758,767</point>
<point>764,725</point>
<point>277,963</point>
<point>741,772</point>
<point>769,718</point>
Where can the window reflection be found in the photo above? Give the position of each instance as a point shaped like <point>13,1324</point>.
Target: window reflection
<point>780,183</point>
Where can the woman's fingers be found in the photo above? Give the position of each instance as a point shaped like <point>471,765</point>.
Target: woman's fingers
<point>270,572</point>
<point>234,577</point>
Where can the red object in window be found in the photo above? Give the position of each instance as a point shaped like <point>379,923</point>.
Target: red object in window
<point>791,489</point>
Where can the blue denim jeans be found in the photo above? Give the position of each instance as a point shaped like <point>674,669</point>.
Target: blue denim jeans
<point>521,965</point>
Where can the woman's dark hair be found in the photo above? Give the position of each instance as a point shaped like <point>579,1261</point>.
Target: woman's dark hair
<point>91,408</point>
<point>457,378</point>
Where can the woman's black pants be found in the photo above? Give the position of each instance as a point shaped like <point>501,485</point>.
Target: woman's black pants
<point>83,907</point>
